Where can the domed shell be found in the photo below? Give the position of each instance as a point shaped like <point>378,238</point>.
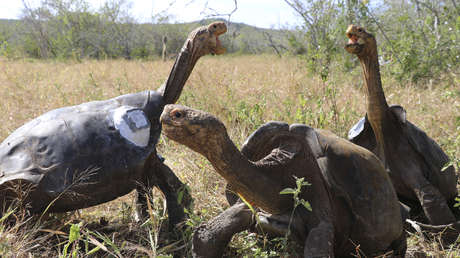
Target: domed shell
<point>255,147</point>
<point>427,148</point>
<point>99,145</point>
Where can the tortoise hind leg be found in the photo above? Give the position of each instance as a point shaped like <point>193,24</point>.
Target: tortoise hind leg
<point>159,175</point>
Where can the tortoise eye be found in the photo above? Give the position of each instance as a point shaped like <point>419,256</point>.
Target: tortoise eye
<point>214,26</point>
<point>176,113</point>
<point>360,30</point>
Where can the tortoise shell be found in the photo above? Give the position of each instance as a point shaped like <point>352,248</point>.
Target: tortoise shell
<point>83,155</point>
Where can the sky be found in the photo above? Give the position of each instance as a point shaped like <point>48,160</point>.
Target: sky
<point>260,13</point>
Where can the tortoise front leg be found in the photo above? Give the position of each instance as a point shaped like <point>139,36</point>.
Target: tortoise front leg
<point>211,238</point>
<point>159,175</point>
<point>432,201</point>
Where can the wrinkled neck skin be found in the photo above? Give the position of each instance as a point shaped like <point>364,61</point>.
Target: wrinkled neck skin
<point>376,102</point>
<point>180,72</point>
<point>377,106</point>
<point>246,178</point>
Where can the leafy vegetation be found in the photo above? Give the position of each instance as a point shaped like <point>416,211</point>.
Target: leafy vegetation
<point>418,39</point>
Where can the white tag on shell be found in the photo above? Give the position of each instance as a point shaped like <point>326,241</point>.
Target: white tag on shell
<point>133,125</point>
<point>356,129</point>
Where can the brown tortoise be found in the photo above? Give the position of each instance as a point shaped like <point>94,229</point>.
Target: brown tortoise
<point>413,159</point>
<point>353,201</point>
<point>79,156</point>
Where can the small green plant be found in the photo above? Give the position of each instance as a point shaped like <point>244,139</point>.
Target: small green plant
<point>300,183</point>
<point>74,236</point>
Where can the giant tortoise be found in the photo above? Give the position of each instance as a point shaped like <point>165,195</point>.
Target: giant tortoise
<point>79,156</point>
<point>413,159</point>
<point>354,205</point>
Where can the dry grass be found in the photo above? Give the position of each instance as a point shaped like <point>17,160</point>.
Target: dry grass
<point>244,92</point>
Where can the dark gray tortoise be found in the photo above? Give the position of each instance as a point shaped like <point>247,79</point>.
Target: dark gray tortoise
<point>79,156</point>
<point>354,205</point>
<point>413,159</point>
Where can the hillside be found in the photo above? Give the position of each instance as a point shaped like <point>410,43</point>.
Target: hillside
<point>97,39</point>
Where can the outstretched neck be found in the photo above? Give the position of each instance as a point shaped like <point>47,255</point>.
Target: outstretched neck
<point>226,158</point>
<point>377,106</point>
<point>376,102</point>
<point>179,74</point>
<point>246,178</point>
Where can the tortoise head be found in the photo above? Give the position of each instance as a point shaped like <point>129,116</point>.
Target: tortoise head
<point>360,43</point>
<point>205,40</point>
<point>198,130</point>
<point>201,41</point>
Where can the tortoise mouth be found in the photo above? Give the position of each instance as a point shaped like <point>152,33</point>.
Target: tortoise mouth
<point>166,123</point>
<point>171,130</point>
<point>219,30</point>
<point>168,131</point>
<point>164,118</point>
<point>218,49</point>
<point>352,38</point>
<point>353,46</point>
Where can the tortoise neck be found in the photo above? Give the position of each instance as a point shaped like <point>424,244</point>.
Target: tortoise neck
<point>375,97</point>
<point>246,178</point>
<point>232,165</point>
<point>182,68</point>
<point>377,106</point>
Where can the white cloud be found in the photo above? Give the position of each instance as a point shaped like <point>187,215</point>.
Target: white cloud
<point>11,9</point>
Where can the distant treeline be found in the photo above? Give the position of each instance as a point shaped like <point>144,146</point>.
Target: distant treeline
<point>418,39</point>
<point>70,29</point>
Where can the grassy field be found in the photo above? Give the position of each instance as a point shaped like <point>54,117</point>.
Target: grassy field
<point>244,92</point>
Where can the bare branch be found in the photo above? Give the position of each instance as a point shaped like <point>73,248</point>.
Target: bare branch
<point>455,6</point>
<point>384,34</point>
<point>300,9</point>
<point>215,13</point>
<point>272,44</point>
